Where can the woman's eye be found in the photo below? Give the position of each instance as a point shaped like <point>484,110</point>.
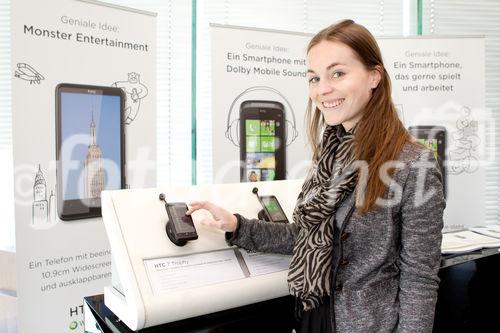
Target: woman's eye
<point>336,75</point>
<point>314,79</point>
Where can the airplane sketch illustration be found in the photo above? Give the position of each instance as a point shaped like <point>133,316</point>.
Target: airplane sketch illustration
<point>463,155</point>
<point>135,92</point>
<point>28,73</point>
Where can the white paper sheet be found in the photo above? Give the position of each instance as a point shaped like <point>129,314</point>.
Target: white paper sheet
<point>192,271</point>
<point>265,263</point>
<point>491,230</point>
<point>465,241</point>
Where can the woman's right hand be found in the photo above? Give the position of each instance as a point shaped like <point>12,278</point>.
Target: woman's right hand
<point>222,219</point>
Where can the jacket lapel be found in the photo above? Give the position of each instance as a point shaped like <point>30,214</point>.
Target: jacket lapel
<point>345,209</point>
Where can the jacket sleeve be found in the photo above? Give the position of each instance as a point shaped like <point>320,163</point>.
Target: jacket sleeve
<point>260,236</point>
<point>420,254</point>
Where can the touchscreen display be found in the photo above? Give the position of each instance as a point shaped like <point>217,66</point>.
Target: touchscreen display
<point>183,222</point>
<point>260,149</point>
<point>274,209</point>
<point>91,144</point>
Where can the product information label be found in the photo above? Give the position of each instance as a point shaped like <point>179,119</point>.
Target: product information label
<point>265,263</point>
<point>66,271</point>
<point>192,271</point>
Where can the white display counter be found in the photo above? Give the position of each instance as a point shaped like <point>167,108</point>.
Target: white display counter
<point>157,282</point>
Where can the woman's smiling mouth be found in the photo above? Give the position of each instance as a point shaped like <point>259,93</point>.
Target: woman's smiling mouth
<point>334,103</point>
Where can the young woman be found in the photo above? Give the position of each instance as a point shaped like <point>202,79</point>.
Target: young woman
<point>367,225</point>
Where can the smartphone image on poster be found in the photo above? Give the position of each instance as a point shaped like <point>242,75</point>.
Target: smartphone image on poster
<point>90,147</point>
<point>262,141</point>
<point>434,138</point>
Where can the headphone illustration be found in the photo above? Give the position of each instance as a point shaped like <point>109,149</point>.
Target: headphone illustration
<point>233,120</point>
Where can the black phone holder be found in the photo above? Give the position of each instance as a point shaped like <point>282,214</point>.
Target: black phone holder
<point>170,234</point>
<point>262,214</point>
<point>168,227</point>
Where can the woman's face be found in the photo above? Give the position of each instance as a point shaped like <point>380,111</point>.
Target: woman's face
<point>339,84</point>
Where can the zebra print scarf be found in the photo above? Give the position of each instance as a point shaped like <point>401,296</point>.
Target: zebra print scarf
<point>328,184</point>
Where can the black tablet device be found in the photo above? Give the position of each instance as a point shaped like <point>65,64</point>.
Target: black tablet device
<point>90,147</point>
<point>262,141</point>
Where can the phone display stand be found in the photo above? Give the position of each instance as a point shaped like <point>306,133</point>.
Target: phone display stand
<point>137,247</point>
<point>170,234</point>
<point>168,228</point>
<point>261,215</point>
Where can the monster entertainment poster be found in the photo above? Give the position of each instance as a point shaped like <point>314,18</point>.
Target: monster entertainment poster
<point>83,95</point>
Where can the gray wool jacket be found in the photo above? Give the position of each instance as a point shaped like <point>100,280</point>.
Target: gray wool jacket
<point>385,262</point>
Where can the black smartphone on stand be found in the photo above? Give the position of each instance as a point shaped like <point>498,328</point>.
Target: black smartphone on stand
<point>90,147</point>
<point>262,141</point>
<point>434,138</point>
<point>182,226</point>
<point>273,209</point>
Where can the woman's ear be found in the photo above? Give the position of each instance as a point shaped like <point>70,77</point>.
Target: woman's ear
<point>376,76</point>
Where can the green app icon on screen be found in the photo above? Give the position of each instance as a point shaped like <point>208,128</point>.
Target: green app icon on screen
<point>253,144</point>
<point>253,127</point>
<point>267,144</point>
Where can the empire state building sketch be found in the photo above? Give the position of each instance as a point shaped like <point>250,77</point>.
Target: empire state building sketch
<point>94,170</point>
<point>40,206</point>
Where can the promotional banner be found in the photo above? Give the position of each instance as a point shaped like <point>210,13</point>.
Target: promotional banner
<point>83,96</point>
<point>438,88</point>
<point>259,98</point>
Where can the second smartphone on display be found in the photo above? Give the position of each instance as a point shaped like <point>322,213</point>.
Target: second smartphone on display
<point>434,138</point>
<point>273,210</point>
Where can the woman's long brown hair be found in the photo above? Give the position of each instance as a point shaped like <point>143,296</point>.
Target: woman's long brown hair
<point>380,135</point>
